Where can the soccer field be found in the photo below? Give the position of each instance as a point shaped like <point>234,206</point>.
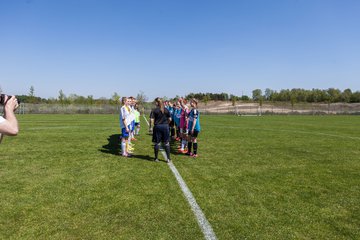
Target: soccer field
<point>270,177</point>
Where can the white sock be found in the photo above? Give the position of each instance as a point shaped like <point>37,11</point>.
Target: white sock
<point>123,148</point>
<point>183,144</point>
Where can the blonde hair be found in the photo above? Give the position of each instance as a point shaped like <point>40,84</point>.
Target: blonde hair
<point>195,101</point>
<point>123,100</point>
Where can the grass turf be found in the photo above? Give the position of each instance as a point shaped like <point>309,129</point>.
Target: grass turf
<point>272,177</point>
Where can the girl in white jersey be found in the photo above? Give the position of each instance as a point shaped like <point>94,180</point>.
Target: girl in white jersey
<point>125,126</point>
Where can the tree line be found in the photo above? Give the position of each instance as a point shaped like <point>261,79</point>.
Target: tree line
<point>331,95</point>
<point>73,98</point>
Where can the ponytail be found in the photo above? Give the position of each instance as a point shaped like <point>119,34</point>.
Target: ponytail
<point>160,104</point>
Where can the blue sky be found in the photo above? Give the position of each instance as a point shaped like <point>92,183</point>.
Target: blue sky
<point>174,47</point>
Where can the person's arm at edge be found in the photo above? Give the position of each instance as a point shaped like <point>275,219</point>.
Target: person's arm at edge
<point>10,126</point>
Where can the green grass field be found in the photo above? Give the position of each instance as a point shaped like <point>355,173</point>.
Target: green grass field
<point>272,177</point>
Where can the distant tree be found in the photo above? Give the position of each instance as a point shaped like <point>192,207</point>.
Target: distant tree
<point>141,98</point>
<point>268,94</point>
<point>245,98</point>
<point>32,95</point>
<point>115,99</point>
<point>32,91</point>
<point>256,94</point>
<point>355,97</point>
<point>62,97</point>
<point>346,95</point>
<point>90,100</point>
<point>292,101</point>
<point>206,99</point>
<point>233,99</point>
<point>334,95</point>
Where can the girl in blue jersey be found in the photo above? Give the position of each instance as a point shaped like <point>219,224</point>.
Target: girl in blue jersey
<point>193,128</point>
<point>176,116</point>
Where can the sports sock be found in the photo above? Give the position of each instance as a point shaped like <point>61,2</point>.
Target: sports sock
<point>183,144</point>
<point>167,150</point>
<point>156,150</point>
<point>195,148</point>
<point>189,146</point>
<point>123,147</point>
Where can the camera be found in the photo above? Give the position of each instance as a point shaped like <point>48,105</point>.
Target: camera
<point>3,97</point>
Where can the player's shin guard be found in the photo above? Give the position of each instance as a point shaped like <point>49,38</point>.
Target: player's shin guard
<point>123,148</point>
<point>156,150</point>
<point>195,148</point>
<point>167,150</point>
<point>189,146</point>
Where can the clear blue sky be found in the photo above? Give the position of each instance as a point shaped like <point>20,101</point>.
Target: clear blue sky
<point>174,47</point>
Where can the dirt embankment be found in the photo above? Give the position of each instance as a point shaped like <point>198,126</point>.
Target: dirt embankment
<point>278,108</point>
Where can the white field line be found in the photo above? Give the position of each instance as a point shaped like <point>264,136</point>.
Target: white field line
<point>200,216</point>
<point>290,131</point>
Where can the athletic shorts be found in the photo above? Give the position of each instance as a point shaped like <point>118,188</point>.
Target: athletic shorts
<point>132,125</point>
<point>195,134</point>
<point>124,134</point>
<point>161,133</point>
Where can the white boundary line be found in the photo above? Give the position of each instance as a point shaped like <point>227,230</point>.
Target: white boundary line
<point>200,216</point>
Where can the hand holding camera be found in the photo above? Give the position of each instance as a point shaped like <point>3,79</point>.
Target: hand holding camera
<point>8,122</point>
<point>9,102</point>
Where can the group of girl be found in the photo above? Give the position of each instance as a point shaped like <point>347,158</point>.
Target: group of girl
<point>129,125</point>
<point>185,126</point>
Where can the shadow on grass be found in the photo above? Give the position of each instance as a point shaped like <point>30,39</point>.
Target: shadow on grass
<point>114,147</point>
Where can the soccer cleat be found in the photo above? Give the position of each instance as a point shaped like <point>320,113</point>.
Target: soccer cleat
<point>168,161</point>
<point>156,160</point>
<point>195,155</point>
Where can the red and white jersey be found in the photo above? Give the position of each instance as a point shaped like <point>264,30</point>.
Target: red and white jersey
<point>183,117</point>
